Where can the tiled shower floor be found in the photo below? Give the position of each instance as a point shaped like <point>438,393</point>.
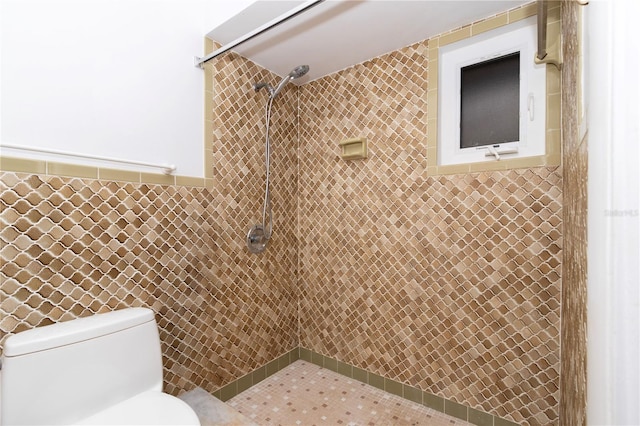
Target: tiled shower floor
<point>305,394</point>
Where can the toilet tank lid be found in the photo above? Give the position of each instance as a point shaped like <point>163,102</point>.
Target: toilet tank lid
<point>74,331</point>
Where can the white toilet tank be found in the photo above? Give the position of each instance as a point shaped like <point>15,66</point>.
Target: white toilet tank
<point>92,369</point>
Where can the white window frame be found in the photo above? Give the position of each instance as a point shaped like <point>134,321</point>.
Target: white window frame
<point>517,37</point>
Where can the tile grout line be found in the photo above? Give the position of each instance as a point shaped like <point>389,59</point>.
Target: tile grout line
<point>363,403</point>
<point>232,389</point>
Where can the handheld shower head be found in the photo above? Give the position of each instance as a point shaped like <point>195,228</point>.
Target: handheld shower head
<point>297,72</point>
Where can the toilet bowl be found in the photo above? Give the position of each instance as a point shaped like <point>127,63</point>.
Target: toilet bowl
<point>103,369</point>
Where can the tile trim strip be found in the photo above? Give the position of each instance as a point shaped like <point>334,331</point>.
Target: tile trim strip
<point>63,169</point>
<point>402,390</point>
<point>240,385</point>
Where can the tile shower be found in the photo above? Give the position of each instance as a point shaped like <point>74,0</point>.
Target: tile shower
<point>447,283</point>
<point>450,284</point>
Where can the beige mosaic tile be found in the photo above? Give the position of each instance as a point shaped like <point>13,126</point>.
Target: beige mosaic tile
<point>305,394</point>
<point>450,283</point>
<point>73,247</point>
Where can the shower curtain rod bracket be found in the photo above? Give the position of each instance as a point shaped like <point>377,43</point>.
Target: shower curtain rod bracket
<point>552,55</point>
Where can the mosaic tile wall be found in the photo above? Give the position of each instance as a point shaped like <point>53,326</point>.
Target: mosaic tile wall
<point>71,247</point>
<point>573,385</point>
<point>449,283</point>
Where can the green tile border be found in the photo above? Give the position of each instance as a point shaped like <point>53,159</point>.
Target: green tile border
<point>456,410</point>
<point>376,381</point>
<point>22,165</point>
<point>232,389</point>
<point>405,391</point>
<point>360,375</point>
<point>497,421</point>
<point>480,418</point>
<point>394,388</point>
<point>63,169</point>
<point>402,390</point>
<point>433,401</point>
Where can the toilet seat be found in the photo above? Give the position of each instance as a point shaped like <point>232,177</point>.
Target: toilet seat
<point>147,408</point>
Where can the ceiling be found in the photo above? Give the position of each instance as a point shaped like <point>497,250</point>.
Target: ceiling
<point>337,34</point>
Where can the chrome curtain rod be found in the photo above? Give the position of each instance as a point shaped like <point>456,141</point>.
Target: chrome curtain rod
<point>167,169</point>
<point>199,62</point>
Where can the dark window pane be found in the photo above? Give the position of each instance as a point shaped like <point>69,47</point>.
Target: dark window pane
<point>490,102</point>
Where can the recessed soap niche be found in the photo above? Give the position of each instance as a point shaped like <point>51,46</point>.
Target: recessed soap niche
<point>354,149</point>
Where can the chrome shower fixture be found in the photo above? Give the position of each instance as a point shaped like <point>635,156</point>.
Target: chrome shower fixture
<point>259,235</point>
<point>297,72</point>
<point>258,86</point>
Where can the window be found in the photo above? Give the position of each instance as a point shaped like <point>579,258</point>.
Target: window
<point>492,97</point>
<point>495,82</point>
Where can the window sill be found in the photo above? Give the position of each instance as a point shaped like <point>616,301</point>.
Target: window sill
<point>552,159</point>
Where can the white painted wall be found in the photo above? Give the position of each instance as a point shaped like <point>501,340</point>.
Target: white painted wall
<point>613,291</point>
<point>112,78</point>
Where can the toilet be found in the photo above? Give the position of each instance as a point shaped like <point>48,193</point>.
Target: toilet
<point>103,369</point>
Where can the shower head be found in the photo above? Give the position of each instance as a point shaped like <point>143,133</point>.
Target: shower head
<point>297,72</point>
